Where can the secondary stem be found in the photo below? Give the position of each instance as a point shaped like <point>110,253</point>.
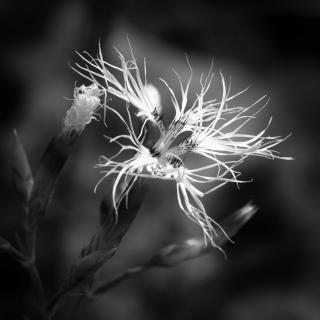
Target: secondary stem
<point>121,277</point>
<point>29,251</point>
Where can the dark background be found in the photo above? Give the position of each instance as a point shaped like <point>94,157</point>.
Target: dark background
<point>272,272</point>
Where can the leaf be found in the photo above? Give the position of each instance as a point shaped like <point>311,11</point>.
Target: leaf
<point>4,244</point>
<point>7,247</point>
<point>21,172</point>
<point>51,164</point>
<point>86,266</point>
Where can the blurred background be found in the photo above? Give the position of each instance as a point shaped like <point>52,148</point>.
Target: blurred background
<point>272,271</point>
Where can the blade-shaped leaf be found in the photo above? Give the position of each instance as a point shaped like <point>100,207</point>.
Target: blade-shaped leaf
<point>7,247</point>
<point>52,162</point>
<point>21,171</point>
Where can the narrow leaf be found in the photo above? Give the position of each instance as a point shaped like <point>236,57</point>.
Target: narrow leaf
<point>21,172</point>
<point>7,247</point>
<point>52,162</point>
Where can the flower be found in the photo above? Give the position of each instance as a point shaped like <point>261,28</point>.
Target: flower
<point>209,129</point>
<point>83,109</point>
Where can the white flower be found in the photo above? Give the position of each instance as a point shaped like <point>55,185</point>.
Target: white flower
<point>209,129</point>
<point>82,111</point>
<point>154,97</point>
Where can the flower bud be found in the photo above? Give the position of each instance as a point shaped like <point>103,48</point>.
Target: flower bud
<point>86,101</point>
<point>176,253</point>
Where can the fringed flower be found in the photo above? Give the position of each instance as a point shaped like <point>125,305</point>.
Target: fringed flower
<point>207,128</point>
